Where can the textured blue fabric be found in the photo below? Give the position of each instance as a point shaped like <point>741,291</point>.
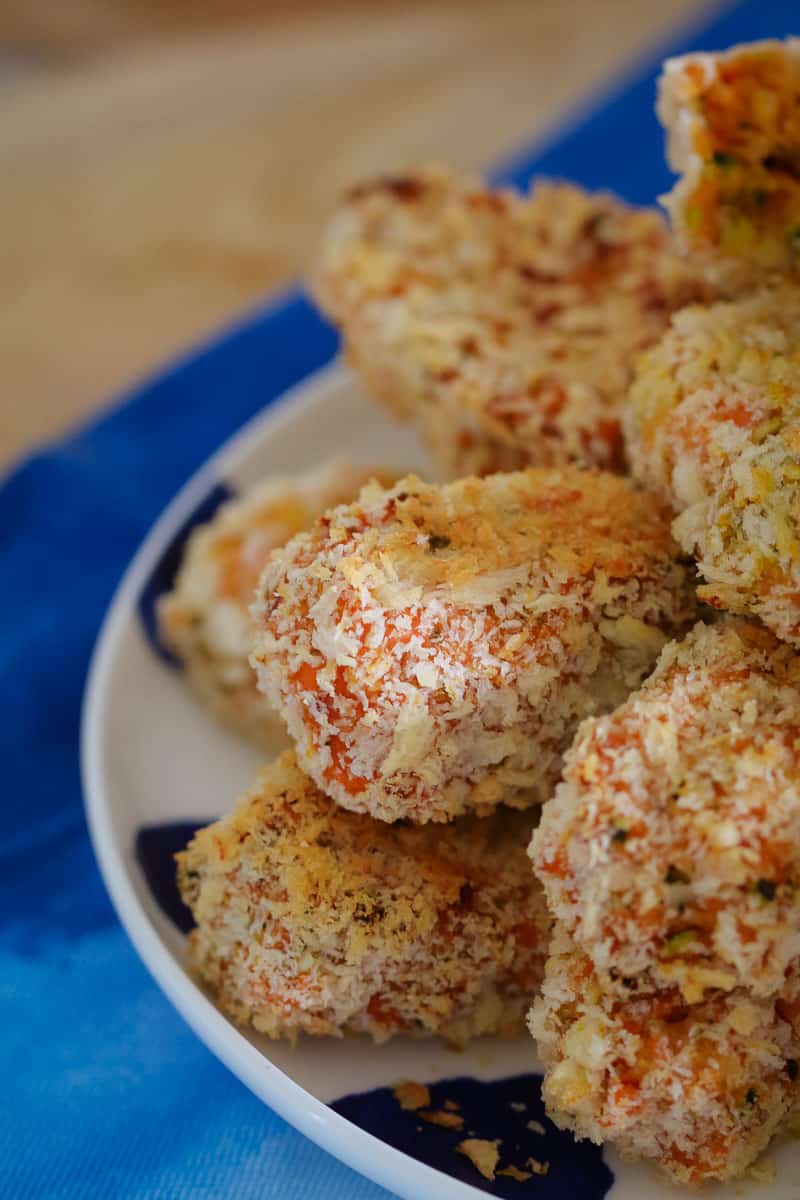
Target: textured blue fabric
<point>108,1094</point>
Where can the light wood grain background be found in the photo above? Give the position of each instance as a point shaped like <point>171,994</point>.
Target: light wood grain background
<point>164,165</point>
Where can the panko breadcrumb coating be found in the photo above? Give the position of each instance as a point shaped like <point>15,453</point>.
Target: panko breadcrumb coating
<point>433,648</point>
<point>733,132</point>
<point>507,326</point>
<point>671,851</point>
<point>314,920</point>
<point>205,619</point>
<point>699,1089</point>
<point>714,426</point>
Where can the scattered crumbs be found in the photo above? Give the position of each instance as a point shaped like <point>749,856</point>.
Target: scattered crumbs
<point>515,1173</point>
<point>483,1155</point>
<point>518,1106</point>
<point>762,1171</point>
<point>411,1095</point>
<point>449,1120</point>
<point>452,1105</point>
<point>537,1127</point>
<point>538,1168</point>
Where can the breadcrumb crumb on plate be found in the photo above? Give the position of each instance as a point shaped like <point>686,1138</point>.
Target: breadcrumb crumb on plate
<point>671,851</point>
<point>311,919</point>
<point>447,1120</point>
<point>205,618</point>
<point>411,1095</point>
<point>733,132</point>
<point>483,1154</point>
<point>713,425</point>
<point>538,1166</point>
<point>505,325</point>
<point>515,1173</point>
<point>433,648</point>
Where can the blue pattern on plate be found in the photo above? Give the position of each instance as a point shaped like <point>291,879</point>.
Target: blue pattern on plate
<point>163,574</point>
<point>112,1094</point>
<point>501,1109</point>
<point>156,847</point>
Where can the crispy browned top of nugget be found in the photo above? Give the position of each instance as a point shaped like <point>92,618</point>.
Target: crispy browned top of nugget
<point>431,536</point>
<point>335,869</point>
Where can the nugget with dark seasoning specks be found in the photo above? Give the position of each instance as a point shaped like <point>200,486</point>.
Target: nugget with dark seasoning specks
<point>311,919</point>
<point>205,618</point>
<point>698,1089</point>
<point>671,850</point>
<point>713,425</point>
<point>506,326</point>
<point>433,648</point>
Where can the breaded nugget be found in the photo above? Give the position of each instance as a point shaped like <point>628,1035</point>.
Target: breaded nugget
<point>205,619</point>
<point>733,132</point>
<point>432,648</point>
<point>671,851</point>
<point>505,325</point>
<point>699,1089</point>
<point>714,426</point>
<point>315,920</point>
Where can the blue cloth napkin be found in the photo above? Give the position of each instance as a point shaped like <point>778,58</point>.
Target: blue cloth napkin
<point>107,1093</point>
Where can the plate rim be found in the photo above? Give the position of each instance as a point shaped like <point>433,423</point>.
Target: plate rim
<point>380,1162</point>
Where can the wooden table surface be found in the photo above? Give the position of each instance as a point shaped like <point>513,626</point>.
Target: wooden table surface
<point>161,175</point>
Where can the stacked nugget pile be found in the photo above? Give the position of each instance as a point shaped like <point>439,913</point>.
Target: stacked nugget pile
<point>443,654</point>
<point>432,649</point>
<point>506,326</point>
<point>311,919</point>
<point>669,1015</point>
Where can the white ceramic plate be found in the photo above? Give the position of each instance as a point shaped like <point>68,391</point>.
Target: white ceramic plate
<point>151,757</point>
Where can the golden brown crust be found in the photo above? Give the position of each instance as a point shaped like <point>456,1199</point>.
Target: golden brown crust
<point>585,522</point>
<point>313,919</point>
